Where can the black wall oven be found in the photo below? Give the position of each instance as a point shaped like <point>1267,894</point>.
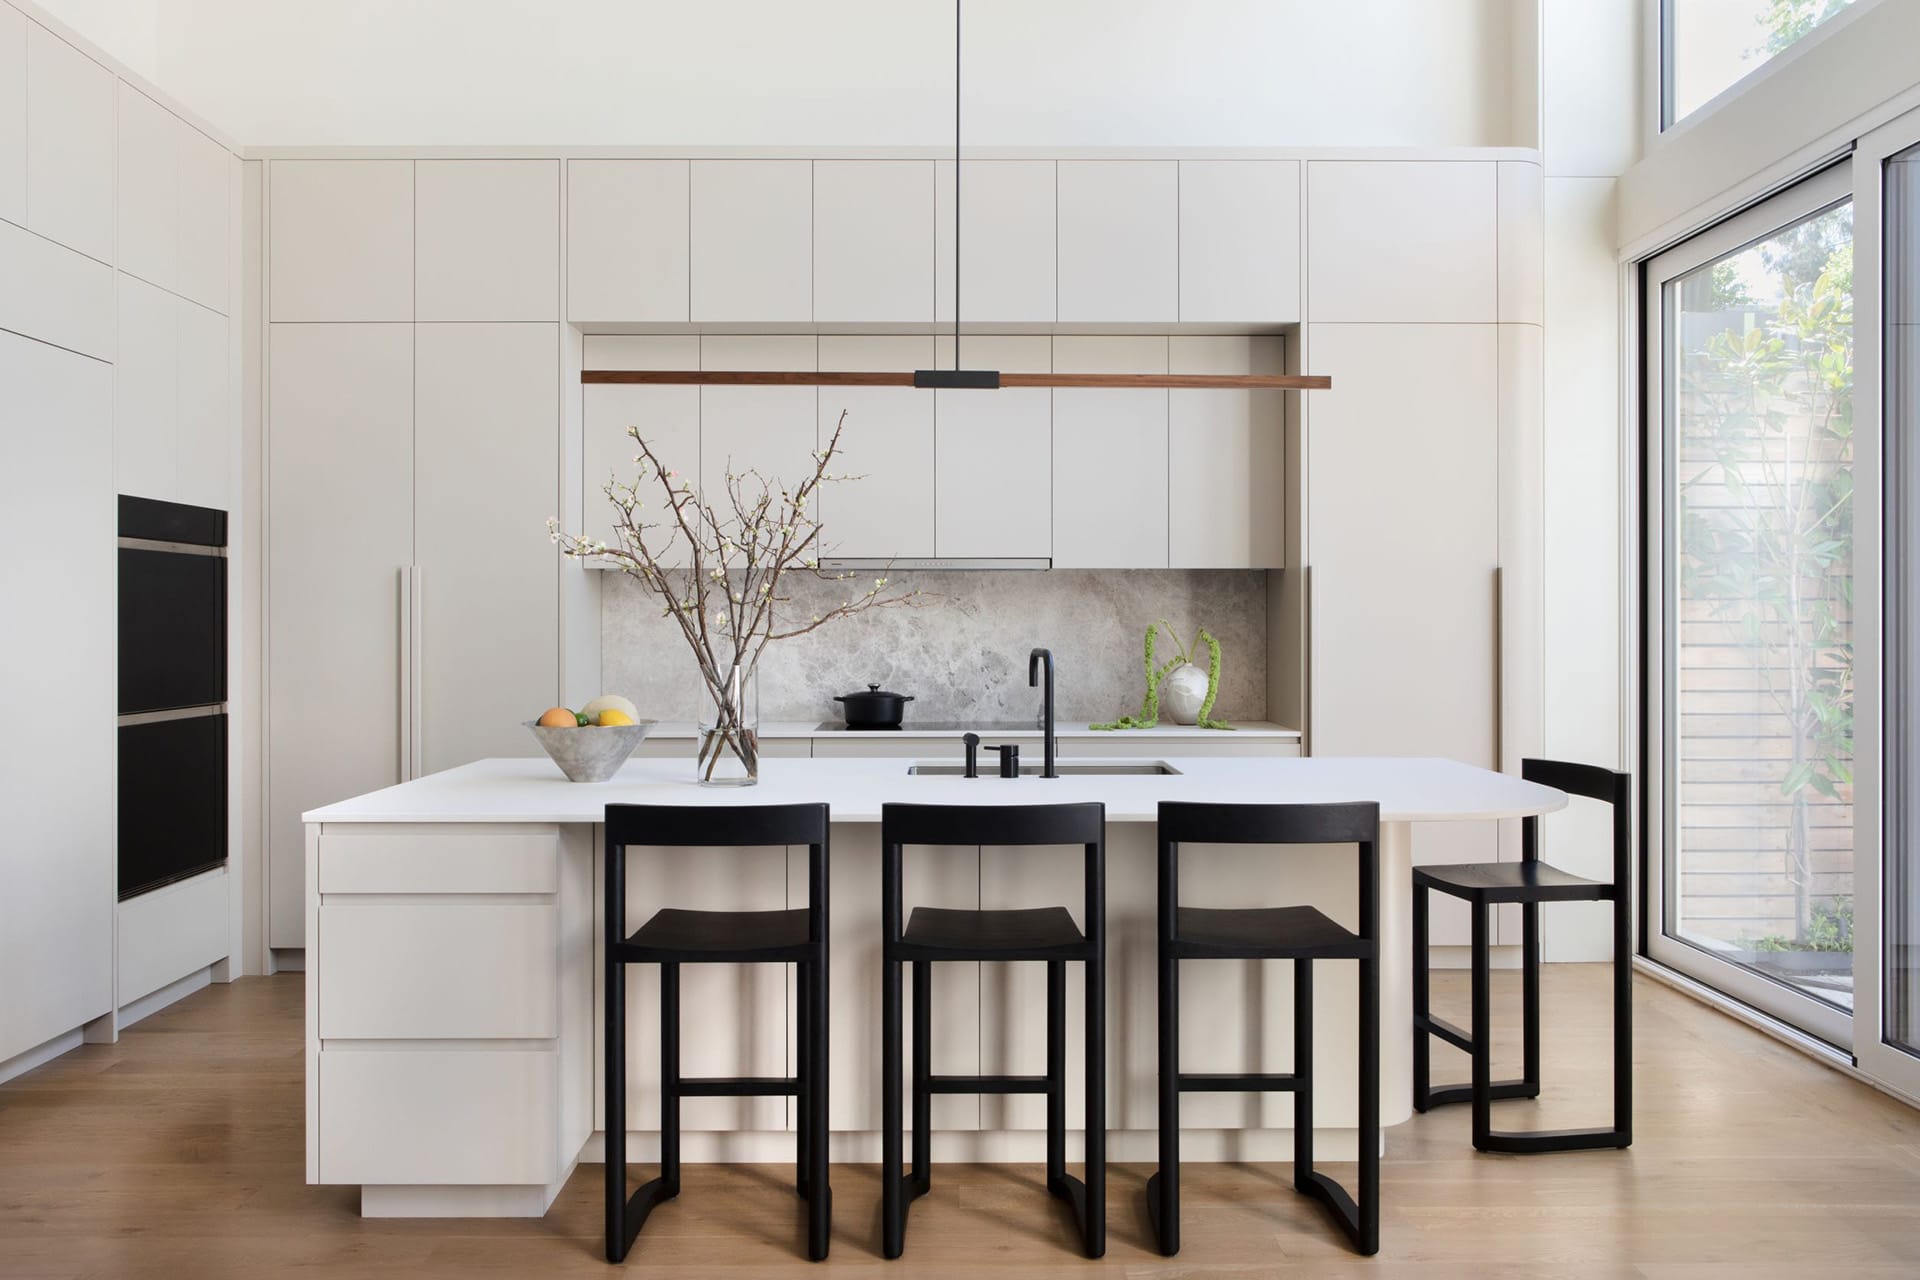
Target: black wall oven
<point>173,693</point>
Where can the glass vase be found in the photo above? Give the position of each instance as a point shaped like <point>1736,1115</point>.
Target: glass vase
<point>730,733</point>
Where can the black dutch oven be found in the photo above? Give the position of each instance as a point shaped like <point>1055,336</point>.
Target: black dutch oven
<point>874,709</point>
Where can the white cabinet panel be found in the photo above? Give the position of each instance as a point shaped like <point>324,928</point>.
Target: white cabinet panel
<point>487,441</point>
<point>55,294</point>
<point>207,172</point>
<point>1523,243</point>
<point>146,393</point>
<point>627,241</point>
<point>668,419</point>
<point>768,429</point>
<point>486,240</point>
<point>1405,514</point>
<point>340,236</point>
<point>1401,240</point>
<point>1226,459</point>
<point>434,1116</point>
<point>1240,241</point>
<point>993,452</point>
<point>57,862</point>
<point>13,115</point>
<point>171,932</point>
<point>340,464</point>
<point>873,241</point>
<point>69,145</point>
<point>752,241</point>
<point>886,507</point>
<point>440,860</point>
<point>1109,458</point>
<point>411,971</point>
<point>148,191</point>
<point>1007,238</point>
<point>1119,241</point>
<point>207,430</point>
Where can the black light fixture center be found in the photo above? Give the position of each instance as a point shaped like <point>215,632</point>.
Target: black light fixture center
<point>957,378</point>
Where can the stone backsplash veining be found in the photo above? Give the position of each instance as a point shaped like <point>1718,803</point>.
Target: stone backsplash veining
<point>962,653</point>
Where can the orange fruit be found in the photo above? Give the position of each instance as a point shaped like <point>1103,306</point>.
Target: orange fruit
<point>558,718</point>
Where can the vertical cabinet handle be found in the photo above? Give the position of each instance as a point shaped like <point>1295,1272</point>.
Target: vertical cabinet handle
<point>403,664</point>
<point>1499,669</point>
<point>416,684</point>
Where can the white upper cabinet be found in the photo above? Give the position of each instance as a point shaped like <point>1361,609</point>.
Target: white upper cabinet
<point>148,193</point>
<point>1240,241</point>
<point>873,241</point>
<point>207,174</point>
<point>203,457</point>
<point>1006,242</point>
<point>173,194</point>
<point>1119,240</point>
<point>13,115</point>
<point>993,454</point>
<point>55,294</point>
<point>1226,459</point>
<point>70,119</point>
<point>146,399</point>
<point>1402,241</point>
<point>487,441</point>
<point>771,430</point>
<point>1523,243</point>
<point>627,241</point>
<point>752,241</point>
<point>486,240</point>
<point>668,419</point>
<point>1109,458</point>
<point>887,508</point>
<point>341,236</point>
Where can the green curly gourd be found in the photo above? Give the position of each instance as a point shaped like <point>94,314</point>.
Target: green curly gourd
<point>1150,705</point>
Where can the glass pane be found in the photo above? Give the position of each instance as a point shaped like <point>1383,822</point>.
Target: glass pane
<point>1715,42</point>
<point>1901,870</point>
<point>1761,402</point>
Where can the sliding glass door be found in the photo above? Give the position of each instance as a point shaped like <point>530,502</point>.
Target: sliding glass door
<point>1751,606</point>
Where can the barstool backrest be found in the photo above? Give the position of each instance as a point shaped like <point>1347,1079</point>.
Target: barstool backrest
<point>713,826</point>
<point>976,824</point>
<point>1590,782</point>
<point>1356,823</point>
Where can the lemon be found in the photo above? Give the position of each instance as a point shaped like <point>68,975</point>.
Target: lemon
<point>614,716</point>
<point>613,702</point>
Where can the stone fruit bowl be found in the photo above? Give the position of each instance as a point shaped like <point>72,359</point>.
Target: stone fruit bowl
<point>591,753</point>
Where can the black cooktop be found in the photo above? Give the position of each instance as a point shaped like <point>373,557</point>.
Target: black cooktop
<point>936,726</point>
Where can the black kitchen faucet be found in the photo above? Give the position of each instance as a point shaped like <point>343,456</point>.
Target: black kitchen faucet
<point>1036,661</point>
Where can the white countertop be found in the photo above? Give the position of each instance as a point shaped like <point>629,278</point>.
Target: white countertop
<point>677,729</point>
<point>533,790</point>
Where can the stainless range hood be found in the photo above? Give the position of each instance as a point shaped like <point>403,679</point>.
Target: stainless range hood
<point>869,564</point>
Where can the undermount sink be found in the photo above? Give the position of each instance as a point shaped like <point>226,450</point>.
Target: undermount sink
<point>942,769</point>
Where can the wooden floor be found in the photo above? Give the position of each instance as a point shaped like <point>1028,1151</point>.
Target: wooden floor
<point>178,1153</point>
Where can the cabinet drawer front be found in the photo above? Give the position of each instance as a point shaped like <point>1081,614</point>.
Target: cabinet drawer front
<point>476,1117</point>
<point>433,971</point>
<point>483,862</point>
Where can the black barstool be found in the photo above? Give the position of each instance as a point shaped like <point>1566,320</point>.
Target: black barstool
<point>673,937</point>
<point>1301,934</point>
<point>1529,882</point>
<point>1044,933</point>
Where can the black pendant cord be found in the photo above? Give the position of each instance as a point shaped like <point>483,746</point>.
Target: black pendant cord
<point>956,186</point>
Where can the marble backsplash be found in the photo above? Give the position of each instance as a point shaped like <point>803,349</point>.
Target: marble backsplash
<point>962,652</point>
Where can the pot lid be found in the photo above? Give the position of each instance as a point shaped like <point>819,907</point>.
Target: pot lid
<point>873,691</point>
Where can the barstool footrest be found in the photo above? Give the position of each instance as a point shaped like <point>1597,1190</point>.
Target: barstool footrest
<point>987,1084</point>
<point>1221,1082</point>
<point>738,1087</point>
<point>1541,1140</point>
<point>1442,1095</point>
<point>1445,1030</point>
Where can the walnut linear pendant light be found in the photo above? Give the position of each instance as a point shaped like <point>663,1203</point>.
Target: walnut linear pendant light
<point>957,377</point>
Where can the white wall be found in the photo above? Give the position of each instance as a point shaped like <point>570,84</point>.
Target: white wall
<point>126,29</point>
<point>846,72</point>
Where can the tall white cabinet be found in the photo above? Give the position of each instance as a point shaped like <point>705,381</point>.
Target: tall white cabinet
<point>57,861</point>
<point>413,594</point>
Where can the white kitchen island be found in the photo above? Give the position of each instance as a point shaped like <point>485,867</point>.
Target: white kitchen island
<point>453,964</point>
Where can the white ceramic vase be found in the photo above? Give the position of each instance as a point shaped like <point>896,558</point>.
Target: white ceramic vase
<point>1182,691</point>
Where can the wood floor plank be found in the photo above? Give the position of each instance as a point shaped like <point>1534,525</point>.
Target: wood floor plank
<point>178,1152</point>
